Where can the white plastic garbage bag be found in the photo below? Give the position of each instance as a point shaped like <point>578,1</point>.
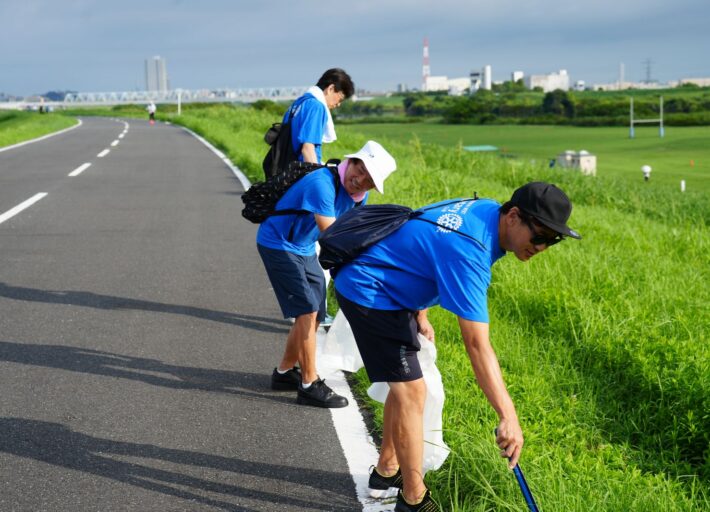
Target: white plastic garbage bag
<point>435,449</point>
<point>338,351</point>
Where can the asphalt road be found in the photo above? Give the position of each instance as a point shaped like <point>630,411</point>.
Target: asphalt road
<point>138,333</point>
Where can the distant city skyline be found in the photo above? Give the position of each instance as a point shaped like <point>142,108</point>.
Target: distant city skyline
<point>87,45</point>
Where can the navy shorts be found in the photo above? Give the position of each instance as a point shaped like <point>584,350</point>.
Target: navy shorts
<point>387,341</point>
<point>298,282</point>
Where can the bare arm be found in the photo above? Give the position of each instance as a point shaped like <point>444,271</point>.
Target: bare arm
<point>323,222</point>
<point>424,326</point>
<point>490,379</point>
<point>308,151</point>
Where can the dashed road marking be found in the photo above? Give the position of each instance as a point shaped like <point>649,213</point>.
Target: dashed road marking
<point>80,169</point>
<point>17,209</point>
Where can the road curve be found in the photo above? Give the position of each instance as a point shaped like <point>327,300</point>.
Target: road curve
<point>137,336</point>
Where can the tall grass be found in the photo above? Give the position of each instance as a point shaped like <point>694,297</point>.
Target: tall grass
<point>603,341</point>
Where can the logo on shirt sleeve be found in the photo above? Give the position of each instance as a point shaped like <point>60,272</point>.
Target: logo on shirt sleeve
<point>449,222</point>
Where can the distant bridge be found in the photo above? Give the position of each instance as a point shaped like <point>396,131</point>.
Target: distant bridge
<point>177,96</point>
<point>186,96</point>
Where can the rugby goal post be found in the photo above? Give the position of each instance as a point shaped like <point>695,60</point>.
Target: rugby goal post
<point>632,121</point>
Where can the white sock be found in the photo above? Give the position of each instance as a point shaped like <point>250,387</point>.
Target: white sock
<point>283,371</point>
<point>306,386</point>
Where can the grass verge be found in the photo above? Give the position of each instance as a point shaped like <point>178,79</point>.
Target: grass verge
<point>20,126</point>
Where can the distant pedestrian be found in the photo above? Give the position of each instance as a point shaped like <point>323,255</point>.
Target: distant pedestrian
<point>151,108</point>
<point>385,292</point>
<point>287,246</point>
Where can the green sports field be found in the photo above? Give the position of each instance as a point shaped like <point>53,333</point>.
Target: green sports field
<point>683,154</point>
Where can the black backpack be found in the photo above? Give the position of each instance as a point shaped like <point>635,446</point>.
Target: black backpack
<point>261,198</point>
<point>360,228</point>
<point>281,152</point>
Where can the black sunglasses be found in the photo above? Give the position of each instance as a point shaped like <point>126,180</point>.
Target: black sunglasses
<point>538,238</point>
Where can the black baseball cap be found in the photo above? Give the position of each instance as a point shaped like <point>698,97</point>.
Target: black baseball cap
<point>547,204</point>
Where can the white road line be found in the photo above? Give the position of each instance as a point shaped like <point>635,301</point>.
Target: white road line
<point>121,136</point>
<point>80,169</point>
<point>239,174</point>
<point>114,143</point>
<point>17,209</point>
<point>41,138</point>
<point>357,444</point>
<point>103,153</point>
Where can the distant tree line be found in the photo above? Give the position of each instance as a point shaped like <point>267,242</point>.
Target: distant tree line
<point>560,107</point>
<point>511,103</point>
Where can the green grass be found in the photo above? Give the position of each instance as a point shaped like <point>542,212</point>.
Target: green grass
<point>603,342</point>
<point>617,154</point>
<point>17,126</point>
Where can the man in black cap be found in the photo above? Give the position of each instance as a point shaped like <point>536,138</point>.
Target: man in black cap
<point>443,257</point>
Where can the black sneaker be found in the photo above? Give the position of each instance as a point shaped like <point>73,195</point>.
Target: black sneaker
<point>288,381</point>
<point>384,486</point>
<point>319,394</point>
<point>426,505</point>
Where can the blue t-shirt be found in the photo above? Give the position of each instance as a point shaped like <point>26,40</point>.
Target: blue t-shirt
<point>297,233</point>
<point>432,265</point>
<point>308,123</point>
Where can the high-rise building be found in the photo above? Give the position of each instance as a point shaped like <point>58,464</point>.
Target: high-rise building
<point>156,74</point>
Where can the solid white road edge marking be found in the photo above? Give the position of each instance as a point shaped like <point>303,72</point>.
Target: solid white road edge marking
<point>17,209</point>
<point>80,169</point>
<point>114,142</point>
<point>355,441</point>
<point>239,174</point>
<point>41,138</point>
<point>103,153</point>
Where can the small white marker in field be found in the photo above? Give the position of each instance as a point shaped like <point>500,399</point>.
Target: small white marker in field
<point>103,153</point>
<point>682,185</point>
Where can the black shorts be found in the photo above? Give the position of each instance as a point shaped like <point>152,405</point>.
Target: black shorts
<point>387,341</point>
<point>298,282</point>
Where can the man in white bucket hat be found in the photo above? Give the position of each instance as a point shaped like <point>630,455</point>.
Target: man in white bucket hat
<point>287,246</point>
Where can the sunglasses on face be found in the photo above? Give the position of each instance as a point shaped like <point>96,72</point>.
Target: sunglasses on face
<point>539,238</point>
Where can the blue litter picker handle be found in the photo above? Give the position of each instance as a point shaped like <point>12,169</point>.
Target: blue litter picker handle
<point>527,494</point>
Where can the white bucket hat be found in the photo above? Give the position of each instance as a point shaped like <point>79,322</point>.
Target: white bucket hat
<point>378,161</point>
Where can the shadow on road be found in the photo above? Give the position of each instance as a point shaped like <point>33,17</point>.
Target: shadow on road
<point>98,301</point>
<point>54,443</point>
<point>246,385</point>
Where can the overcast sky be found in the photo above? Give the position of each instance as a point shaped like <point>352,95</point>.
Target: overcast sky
<point>91,45</point>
